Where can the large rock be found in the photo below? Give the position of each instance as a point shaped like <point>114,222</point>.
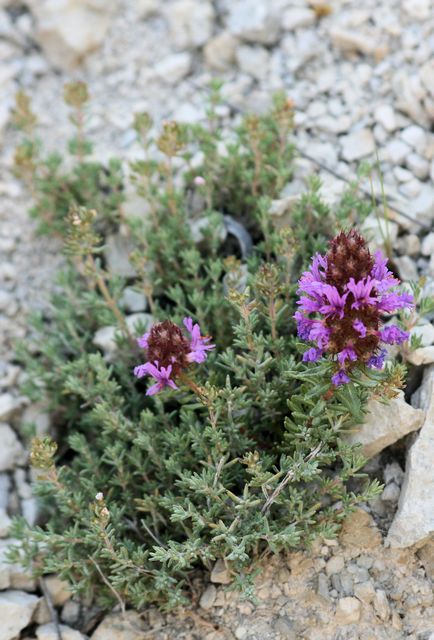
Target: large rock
<point>68,30</point>
<point>414,520</point>
<point>254,21</point>
<point>16,611</point>
<point>385,424</point>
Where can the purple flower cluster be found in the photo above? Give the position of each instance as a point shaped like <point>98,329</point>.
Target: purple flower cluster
<point>347,292</point>
<point>170,352</point>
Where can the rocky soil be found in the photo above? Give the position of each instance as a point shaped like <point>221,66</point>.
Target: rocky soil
<point>362,80</point>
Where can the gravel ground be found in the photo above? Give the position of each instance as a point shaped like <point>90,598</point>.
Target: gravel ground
<point>362,80</point>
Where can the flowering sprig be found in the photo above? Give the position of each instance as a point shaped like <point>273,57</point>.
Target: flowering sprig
<point>170,352</point>
<point>348,291</point>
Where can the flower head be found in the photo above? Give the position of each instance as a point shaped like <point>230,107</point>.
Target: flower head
<point>348,291</point>
<point>170,352</point>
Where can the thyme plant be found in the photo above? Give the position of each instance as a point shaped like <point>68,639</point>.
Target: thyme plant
<point>233,450</point>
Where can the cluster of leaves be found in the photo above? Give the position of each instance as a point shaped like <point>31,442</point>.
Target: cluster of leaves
<point>143,491</point>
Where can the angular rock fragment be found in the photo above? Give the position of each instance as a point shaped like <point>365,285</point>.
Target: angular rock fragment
<point>414,521</point>
<point>16,611</point>
<point>385,424</point>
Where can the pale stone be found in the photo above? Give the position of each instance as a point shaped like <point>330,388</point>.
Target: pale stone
<point>208,597</point>
<point>426,556</point>
<point>219,52</point>
<point>349,40</point>
<point>174,68</point>
<point>385,424</point>
<point>414,521</point>
<point>427,248</point>
<point>426,75</point>
<point>348,610</point>
<point>8,406</point>
<point>359,530</point>
<point>106,337</point>
<point>385,115</point>
<point>379,231</point>
<point>253,60</point>
<point>37,415</point>
<point>357,145</point>
<point>190,22</point>
<point>397,151</point>
<point>120,627</point>
<point>50,632</point>
<point>254,21</point>
<point>381,605</point>
<point>11,450</point>
<point>16,611</point>
<point>220,574</point>
<point>133,300</point>
<point>117,251</point>
<point>422,208</point>
<point>418,166</point>
<point>418,9</point>
<point>365,591</point>
<point>297,17</point>
<point>415,137</point>
<point>13,576</point>
<point>425,332</point>
<point>58,589</point>
<point>146,8</point>
<point>391,493</point>
<point>420,356</point>
<point>335,565</point>
<point>407,268</point>
<point>5,523</point>
<point>68,30</point>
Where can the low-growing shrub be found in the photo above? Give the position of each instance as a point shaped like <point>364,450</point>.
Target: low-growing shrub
<point>245,456</point>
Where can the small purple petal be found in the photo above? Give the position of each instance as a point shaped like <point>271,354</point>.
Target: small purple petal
<point>340,378</point>
<point>347,354</point>
<point>143,341</point>
<point>319,333</point>
<point>335,303</point>
<point>361,291</point>
<point>392,301</point>
<point>360,328</point>
<point>377,361</point>
<point>312,355</point>
<point>198,343</point>
<point>393,335</point>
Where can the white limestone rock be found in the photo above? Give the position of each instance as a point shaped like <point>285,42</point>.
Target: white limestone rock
<point>219,52</point>
<point>420,356</point>
<point>115,626</point>
<point>297,17</point>
<point>385,115</point>
<point>349,40</point>
<point>11,450</point>
<point>190,22</point>
<point>174,67</point>
<point>68,30</point>
<point>16,611</point>
<point>414,521</point>
<point>254,21</point>
<point>50,632</point>
<point>385,424</point>
<point>348,610</point>
<point>357,145</point>
<point>253,60</point>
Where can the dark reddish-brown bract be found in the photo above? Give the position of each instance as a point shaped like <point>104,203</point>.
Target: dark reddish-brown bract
<point>347,257</point>
<point>167,345</point>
